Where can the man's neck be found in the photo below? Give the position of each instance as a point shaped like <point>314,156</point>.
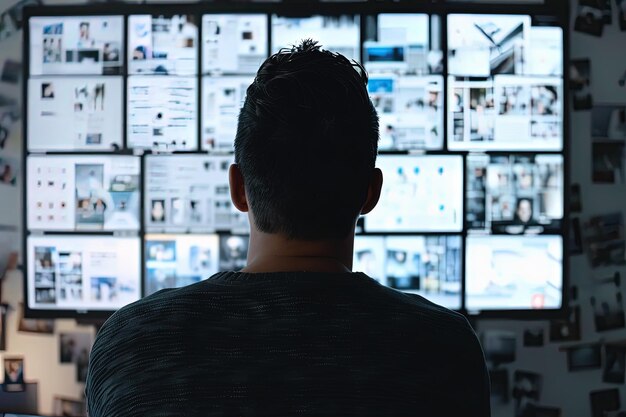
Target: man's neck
<point>275,253</point>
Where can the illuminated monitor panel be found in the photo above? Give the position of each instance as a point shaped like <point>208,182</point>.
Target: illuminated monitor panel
<point>334,33</point>
<point>234,44</point>
<point>83,193</point>
<point>421,193</point>
<point>76,45</point>
<point>513,273</point>
<point>162,113</point>
<point>515,194</point>
<point>84,114</point>
<point>190,193</point>
<point>426,265</point>
<point>162,44</point>
<point>222,99</point>
<point>83,273</point>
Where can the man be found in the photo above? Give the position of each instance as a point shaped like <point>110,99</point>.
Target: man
<point>295,332</point>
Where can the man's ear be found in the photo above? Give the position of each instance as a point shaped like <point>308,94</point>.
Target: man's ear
<point>237,188</point>
<point>373,191</point>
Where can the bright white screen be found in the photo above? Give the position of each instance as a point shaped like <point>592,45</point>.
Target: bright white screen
<point>233,44</point>
<point>190,193</point>
<point>80,192</point>
<point>514,272</point>
<point>76,45</point>
<point>420,194</point>
<point>83,272</point>
<point>162,112</point>
<point>76,113</point>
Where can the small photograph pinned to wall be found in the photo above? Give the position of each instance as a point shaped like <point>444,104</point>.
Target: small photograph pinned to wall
<point>9,168</point>
<point>575,237</point>
<point>608,309</point>
<point>13,374</point>
<point>534,337</point>
<point>575,199</point>
<point>69,407</point>
<point>608,162</point>
<point>608,122</point>
<point>38,326</point>
<point>583,357</point>
<point>604,238</point>
<point>590,17</point>
<point>526,391</point>
<point>566,330</point>
<point>11,71</point>
<point>621,14</point>
<point>614,363</point>
<point>580,83</point>
<point>72,345</point>
<point>499,346</point>
<point>4,308</point>
<point>499,385</point>
<point>603,401</point>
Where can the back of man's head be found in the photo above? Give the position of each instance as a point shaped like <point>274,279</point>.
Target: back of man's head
<point>306,143</point>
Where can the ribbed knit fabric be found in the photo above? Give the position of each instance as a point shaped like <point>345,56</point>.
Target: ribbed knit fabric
<point>286,344</point>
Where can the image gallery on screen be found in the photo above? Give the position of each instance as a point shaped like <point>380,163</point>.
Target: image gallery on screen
<point>491,189</point>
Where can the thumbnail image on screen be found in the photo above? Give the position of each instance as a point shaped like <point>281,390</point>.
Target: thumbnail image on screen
<point>77,113</point>
<point>421,193</point>
<point>515,194</point>
<point>233,44</point>
<point>513,272</point>
<point>190,193</point>
<point>162,112</point>
<point>162,44</point>
<point>334,33</point>
<point>75,45</point>
<point>83,272</point>
<point>426,265</point>
<point>222,99</point>
<point>506,113</point>
<point>78,192</point>
<point>174,261</point>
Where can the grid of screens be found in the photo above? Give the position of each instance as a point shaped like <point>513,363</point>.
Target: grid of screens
<point>473,190</point>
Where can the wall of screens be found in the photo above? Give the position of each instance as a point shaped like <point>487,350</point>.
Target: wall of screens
<point>130,195</point>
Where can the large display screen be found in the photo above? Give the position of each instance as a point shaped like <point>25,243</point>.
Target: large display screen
<point>75,113</point>
<point>190,193</point>
<point>505,85</point>
<point>426,265</point>
<point>421,193</point>
<point>75,45</point>
<point>233,44</point>
<point>513,272</point>
<point>86,193</point>
<point>162,113</point>
<point>83,273</point>
<point>335,33</point>
<point>162,44</point>
<point>515,194</point>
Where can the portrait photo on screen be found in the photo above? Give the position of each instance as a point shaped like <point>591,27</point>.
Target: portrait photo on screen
<point>222,99</point>
<point>421,193</point>
<point>162,112</point>
<point>514,272</point>
<point>190,193</point>
<point>75,114</point>
<point>334,33</point>
<point>174,261</point>
<point>82,272</point>
<point>426,265</point>
<point>76,45</point>
<point>79,192</point>
<point>162,44</point>
<point>514,194</point>
<point>233,44</point>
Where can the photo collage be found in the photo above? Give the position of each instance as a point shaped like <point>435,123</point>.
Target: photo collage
<point>154,169</point>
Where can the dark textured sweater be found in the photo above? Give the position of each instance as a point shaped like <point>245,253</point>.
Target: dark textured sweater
<point>286,344</point>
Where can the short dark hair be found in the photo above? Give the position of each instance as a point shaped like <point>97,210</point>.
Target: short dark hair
<point>306,143</point>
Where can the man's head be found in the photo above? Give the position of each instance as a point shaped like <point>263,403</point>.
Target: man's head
<point>306,146</point>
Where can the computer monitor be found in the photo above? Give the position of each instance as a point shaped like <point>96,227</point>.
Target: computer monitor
<point>421,193</point>
<point>81,273</point>
<point>190,193</point>
<point>83,193</point>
